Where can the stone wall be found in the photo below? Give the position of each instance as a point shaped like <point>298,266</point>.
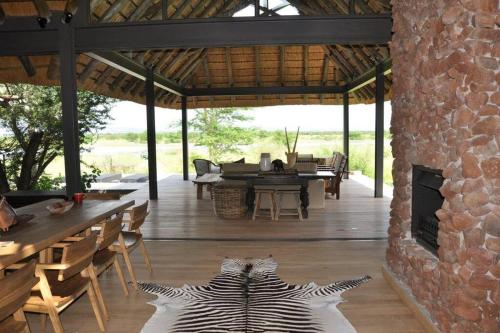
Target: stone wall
<point>446,116</point>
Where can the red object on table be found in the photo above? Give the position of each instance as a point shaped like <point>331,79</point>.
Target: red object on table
<point>78,198</point>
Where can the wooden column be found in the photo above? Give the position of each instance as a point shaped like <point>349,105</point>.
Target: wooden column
<point>185,153</point>
<point>379,132</point>
<point>346,131</point>
<point>151,134</point>
<point>69,110</point>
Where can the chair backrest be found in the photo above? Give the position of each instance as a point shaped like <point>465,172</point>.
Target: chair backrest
<point>102,196</point>
<point>138,216</point>
<point>338,160</point>
<point>201,166</point>
<point>77,256</point>
<point>307,167</point>
<point>110,231</point>
<point>15,289</point>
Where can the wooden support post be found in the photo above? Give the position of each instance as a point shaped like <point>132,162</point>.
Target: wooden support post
<point>151,134</point>
<point>257,8</point>
<point>185,153</point>
<point>69,110</point>
<point>164,9</point>
<point>346,132</point>
<point>379,132</point>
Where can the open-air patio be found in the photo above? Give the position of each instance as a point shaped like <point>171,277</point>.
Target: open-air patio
<point>206,250</point>
<point>177,215</point>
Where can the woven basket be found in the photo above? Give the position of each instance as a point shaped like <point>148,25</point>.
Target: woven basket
<point>229,201</point>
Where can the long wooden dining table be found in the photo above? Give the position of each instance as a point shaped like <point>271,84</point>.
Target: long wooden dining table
<point>276,179</point>
<point>46,229</point>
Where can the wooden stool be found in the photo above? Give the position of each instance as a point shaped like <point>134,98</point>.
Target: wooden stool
<point>258,196</point>
<point>296,195</point>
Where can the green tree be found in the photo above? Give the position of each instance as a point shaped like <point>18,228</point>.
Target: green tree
<point>32,117</point>
<point>218,130</point>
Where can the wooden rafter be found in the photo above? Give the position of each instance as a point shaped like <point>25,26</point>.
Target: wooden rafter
<point>114,9</point>
<point>364,7</point>
<point>305,59</point>
<point>180,9</point>
<point>282,65</point>
<point>352,7</point>
<point>27,65</point>
<point>43,11</point>
<point>53,68</point>
<point>207,72</point>
<point>229,65</point>
<point>2,15</point>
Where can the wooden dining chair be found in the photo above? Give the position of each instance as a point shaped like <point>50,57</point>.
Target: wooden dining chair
<point>132,239</point>
<point>63,283</point>
<point>105,257</point>
<point>15,290</point>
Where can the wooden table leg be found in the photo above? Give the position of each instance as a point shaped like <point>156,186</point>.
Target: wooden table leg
<point>199,191</point>
<point>304,199</point>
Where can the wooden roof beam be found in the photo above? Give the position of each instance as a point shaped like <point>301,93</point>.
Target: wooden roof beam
<point>27,65</point>
<point>367,77</point>
<point>252,91</point>
<point>182,73</point>
<point>2,15</point>
<point>115,8</point>
<point>257,66</point>
<point>43,11</point>
<point>229,65</point>
<point>324,75</point>
<point>282,65</point>
<point>129,66</point>
<point>207,72</point>
<point>352,7</point>
<point>180,9</point>
<point>180,55</point>
<point>327,6</point>
<point>53,68</point>
<point>363,7</point>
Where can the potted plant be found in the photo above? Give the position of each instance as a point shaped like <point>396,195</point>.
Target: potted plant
<point>291,155</point>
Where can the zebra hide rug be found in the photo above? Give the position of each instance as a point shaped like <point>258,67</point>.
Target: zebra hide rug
<point>249,297</point>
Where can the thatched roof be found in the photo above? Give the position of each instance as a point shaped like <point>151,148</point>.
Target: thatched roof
<point>293,65</point>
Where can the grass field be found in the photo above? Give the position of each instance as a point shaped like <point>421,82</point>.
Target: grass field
<point>127,153</point>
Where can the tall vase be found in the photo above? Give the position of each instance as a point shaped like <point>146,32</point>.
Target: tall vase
<point>291,159</point>
<point>265,162</point>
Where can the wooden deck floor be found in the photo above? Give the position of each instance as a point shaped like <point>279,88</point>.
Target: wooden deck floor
<point>371,308</point>
<point>178,215</point>
<point>195,242</point>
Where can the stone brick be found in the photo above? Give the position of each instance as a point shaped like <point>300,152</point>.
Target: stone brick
<point>489,110</point>
<point>470,167</point>
<point>493,244</point>
<point>475,199</point>
<point>484,20</point>
<point>452,14</point>
<point>491,167</point>
<point>474,237</point>
<point>464,221</point>
<point>480,258</point>
<point>489,125</point>
<point>482,281</point>
<point>492,225</point>
<point>476,100</point>
<point>467,312</point>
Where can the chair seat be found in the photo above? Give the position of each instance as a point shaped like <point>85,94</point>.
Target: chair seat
<point>63,292</point>
<point>10,325</point>
<point>102,260</point>
<point>130,238</point>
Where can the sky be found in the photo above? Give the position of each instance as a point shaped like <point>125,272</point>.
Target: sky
<point>131,117</point>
